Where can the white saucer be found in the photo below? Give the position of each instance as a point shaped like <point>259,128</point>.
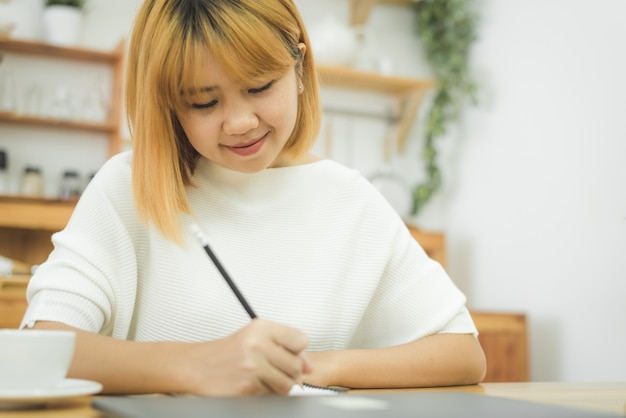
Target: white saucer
<point>17,399</point>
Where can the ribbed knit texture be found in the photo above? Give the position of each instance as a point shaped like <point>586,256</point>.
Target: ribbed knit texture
<point>313,246</point>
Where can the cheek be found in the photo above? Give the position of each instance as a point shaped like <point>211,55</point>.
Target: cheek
<point>282,112</point>
<point>198,130</point>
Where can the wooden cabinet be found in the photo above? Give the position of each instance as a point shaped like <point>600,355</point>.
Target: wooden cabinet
<point>12,301</point>
<point>26,224</point>
<point>433,243</point>
<point>504,339</point>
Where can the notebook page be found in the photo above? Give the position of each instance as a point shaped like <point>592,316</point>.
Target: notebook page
<point>306,390</point>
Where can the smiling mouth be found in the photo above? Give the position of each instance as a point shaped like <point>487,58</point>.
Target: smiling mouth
<point>252,148</point>
<point>251,144</point>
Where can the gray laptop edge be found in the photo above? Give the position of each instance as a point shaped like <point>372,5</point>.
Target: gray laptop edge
<point>373,405</point>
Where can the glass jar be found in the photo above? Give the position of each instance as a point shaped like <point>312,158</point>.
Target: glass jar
<point>32,182</point>
<point>70,185</point>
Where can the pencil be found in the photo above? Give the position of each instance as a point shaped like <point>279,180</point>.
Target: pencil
<point>205,243</point>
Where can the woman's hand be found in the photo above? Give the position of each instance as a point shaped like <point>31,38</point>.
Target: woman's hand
<point>263,357</point>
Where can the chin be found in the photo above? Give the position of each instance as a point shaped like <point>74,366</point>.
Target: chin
<point>252,166</point>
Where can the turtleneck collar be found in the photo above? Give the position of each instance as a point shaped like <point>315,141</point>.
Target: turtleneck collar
<point>259,183</point>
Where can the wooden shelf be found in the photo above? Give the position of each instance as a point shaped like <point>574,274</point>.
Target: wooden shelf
<point>348,78</point>
<point>20,119</point>
<point>408,92</point>
<point>52,51</point>
<point>112,59</point>
<point>26,224</point>
<point>39,214</point>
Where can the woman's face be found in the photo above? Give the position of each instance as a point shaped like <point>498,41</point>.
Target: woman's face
<point>243,128</point>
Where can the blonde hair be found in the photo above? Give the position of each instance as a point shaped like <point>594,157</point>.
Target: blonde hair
<point>251,39</point>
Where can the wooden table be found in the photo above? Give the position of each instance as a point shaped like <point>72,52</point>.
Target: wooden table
<point>605,397</point>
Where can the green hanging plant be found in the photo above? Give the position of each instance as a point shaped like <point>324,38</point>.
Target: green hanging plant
<point>447,29</point>
<point>79,4</point>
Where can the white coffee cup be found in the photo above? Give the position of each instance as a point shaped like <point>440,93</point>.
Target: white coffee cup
<point>34,359</point>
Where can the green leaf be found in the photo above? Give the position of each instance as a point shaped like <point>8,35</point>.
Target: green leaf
<point>447,30</point>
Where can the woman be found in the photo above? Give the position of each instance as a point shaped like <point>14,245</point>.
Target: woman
<point>223,105</point>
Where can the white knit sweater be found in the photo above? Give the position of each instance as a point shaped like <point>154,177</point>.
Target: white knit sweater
<point>313,246</point>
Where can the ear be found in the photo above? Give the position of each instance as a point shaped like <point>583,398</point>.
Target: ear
<point>302,48</point>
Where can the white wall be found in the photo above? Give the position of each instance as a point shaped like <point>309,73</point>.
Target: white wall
<point>534,202</point>
<point>536,215</point>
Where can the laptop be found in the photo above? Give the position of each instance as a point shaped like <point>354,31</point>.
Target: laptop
<point>343,405</point>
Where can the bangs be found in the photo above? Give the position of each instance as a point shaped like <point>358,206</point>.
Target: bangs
<point>247,48</point>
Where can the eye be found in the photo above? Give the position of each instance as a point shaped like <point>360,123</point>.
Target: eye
<point>262,89</point>
<point>204,105</point>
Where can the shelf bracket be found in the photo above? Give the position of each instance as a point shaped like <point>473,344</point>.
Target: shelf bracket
<point>360,11</point>
<point>408,110</point>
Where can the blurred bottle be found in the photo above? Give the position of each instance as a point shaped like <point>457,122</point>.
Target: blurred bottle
<point>33,101</point>
<point>32,182</point>
<point>4,172</point>
<point>70,185</point>
<point>8,97</point>
<point>88,179</point>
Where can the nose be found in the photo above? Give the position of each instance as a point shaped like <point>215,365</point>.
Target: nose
<point>239,118</point>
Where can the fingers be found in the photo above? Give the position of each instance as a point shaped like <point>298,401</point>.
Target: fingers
<point>290,364</point>
<point>307,364</point>
<point>296,342</point>
<point>277,381</point>
<point>293,340</point>
<point>262,357</point>
<point>285,370</point>
<point>285,361</point>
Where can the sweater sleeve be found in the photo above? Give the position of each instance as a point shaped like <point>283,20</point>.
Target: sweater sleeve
<point>89,279</point>
<point>415,297</point>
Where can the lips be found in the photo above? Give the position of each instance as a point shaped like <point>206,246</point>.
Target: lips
<point>249,148</point>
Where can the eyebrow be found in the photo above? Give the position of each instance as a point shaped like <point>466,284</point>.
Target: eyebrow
<point>207,89</point>
<point>196,91</point>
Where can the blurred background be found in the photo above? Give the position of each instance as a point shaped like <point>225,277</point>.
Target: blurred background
<point>533,199</point>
